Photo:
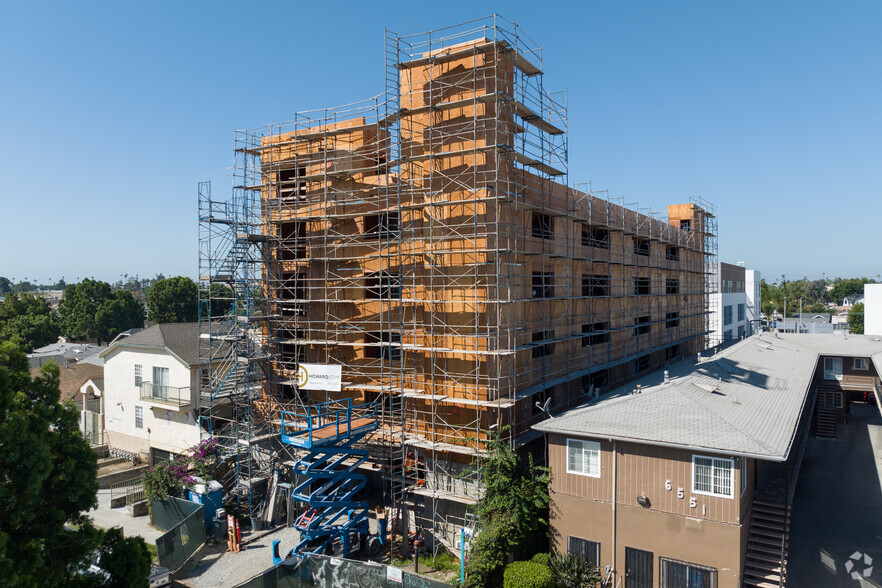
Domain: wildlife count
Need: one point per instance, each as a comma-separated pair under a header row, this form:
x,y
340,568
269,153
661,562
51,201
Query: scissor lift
x,y
328,432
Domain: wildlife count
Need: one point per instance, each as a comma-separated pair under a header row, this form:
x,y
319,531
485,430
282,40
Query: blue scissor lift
x,y
328,432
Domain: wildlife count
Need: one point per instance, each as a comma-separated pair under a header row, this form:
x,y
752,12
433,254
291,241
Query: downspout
x,y
614,476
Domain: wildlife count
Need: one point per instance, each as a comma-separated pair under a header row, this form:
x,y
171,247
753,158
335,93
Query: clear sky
x,y
112,112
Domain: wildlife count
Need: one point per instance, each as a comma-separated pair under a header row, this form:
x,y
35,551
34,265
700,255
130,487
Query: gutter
x,y
713,450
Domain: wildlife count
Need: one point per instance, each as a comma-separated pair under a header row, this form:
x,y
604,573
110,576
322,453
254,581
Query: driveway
x,y
836,518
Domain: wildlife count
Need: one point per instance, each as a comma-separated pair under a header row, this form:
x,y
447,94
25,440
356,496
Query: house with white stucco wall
x,y
151,391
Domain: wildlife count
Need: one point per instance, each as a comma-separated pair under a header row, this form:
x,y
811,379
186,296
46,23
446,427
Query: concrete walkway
x,y
107,517
837,510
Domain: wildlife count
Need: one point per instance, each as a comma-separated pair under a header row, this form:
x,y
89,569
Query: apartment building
x,y
428,244
738,308
686,477
873,309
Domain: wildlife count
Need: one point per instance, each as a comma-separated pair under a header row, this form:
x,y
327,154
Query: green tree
x,y
24,287
48,480
512,516
173,300
817,292
28,321
126,559
856,319
220,300
5,285
849,287
91,310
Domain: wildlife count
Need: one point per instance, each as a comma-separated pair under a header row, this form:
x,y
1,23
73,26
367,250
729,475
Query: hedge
x,y
527,574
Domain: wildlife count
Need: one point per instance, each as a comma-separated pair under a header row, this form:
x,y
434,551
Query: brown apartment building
x,y
685,478
427,242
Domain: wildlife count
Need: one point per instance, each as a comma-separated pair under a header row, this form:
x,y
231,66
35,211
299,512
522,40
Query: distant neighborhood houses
x,y
64,354
850,301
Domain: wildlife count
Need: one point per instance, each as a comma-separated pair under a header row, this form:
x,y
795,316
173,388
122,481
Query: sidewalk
x,y
107,517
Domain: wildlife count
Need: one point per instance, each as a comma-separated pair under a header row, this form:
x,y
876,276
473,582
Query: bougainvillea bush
x,y
170,478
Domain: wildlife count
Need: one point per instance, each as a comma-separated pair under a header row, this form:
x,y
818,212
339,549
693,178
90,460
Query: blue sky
x,y
112,112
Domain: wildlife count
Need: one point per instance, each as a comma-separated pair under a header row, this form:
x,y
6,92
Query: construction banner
x,y
313,376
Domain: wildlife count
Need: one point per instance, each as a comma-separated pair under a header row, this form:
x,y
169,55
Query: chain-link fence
x,y
322,571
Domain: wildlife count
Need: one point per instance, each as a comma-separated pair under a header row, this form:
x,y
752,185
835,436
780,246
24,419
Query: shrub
x,y
169,478
571,571
542,558
527,574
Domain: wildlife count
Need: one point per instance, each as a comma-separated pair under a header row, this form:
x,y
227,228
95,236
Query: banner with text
x,y
313,376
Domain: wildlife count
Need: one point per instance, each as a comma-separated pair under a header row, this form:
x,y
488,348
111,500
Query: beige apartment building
x,y
686,477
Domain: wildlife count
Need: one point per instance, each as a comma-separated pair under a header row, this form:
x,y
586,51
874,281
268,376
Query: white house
x,y
151,391
850,301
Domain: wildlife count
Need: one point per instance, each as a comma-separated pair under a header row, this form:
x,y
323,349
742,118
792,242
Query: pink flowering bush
x,y
171,478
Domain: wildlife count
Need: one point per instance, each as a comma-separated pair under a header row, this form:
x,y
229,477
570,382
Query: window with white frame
x,y
832,368
583,457
138,376
139,417
712,475
861,363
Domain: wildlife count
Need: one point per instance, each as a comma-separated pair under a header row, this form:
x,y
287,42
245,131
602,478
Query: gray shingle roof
x,y
182,339
747,400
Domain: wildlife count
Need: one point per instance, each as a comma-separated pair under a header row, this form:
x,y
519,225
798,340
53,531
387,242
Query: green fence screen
x,y
322,571
186,531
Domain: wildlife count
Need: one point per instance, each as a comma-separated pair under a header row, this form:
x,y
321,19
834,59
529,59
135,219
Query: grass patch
x,y
151,547
445,562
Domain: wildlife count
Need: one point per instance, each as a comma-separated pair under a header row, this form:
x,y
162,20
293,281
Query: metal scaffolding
x,y
426,241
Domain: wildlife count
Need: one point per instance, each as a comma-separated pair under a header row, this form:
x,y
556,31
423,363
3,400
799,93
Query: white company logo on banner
x,y
313,376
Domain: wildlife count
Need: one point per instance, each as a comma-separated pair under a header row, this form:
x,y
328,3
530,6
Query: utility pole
x,y
784,281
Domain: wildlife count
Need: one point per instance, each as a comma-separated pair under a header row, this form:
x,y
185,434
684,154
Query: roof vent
x,y
708,387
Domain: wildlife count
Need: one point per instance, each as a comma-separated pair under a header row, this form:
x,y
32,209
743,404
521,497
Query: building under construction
x,y
426,241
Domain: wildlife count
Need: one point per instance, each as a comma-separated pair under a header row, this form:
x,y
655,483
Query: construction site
x,y
427,241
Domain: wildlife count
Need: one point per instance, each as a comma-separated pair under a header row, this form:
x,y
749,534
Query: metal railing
x,y
132,489
95,437
171,395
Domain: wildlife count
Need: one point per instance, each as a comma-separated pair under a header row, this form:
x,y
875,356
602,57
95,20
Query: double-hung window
x,y
712,475
861,363
139,417
583,457
138,376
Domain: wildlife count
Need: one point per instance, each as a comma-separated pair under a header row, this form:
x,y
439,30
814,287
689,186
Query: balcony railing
x,y
168,395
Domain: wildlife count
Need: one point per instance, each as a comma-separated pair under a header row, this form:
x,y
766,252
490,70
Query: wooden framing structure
x,y
426,241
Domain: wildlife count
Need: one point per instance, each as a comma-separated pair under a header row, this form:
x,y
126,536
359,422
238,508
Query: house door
x,y
160,382
638,568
